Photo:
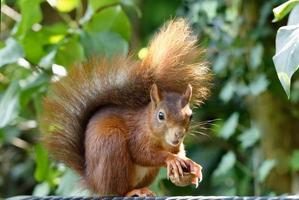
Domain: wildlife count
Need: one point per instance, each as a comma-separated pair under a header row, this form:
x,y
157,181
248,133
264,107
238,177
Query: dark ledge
x,y
160,198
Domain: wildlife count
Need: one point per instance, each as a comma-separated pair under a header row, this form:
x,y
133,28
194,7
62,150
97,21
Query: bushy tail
x,y
173,61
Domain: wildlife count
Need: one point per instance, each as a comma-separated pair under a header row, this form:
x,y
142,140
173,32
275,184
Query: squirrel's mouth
x,y
172,139
174,142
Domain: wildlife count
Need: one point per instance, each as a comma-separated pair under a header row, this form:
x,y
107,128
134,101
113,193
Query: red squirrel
x,y
117,121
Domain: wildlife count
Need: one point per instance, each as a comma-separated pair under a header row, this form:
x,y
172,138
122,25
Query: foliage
x,y
239,40
49,36
34,53
287,44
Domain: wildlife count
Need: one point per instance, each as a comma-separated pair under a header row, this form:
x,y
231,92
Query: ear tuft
x,y
155,94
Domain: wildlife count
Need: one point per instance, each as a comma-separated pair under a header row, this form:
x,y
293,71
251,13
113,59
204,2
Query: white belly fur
x,y
140,173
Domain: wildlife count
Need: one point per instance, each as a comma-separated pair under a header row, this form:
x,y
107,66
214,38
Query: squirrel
x,y
117,121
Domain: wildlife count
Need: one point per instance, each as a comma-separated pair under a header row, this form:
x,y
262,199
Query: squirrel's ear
x,y
155,94
187,95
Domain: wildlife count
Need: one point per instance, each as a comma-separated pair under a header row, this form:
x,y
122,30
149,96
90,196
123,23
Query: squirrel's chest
x,y
143,176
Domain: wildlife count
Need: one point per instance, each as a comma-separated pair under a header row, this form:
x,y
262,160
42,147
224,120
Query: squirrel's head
x,y
171,114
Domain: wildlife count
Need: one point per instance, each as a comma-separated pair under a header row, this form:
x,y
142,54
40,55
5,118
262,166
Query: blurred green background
x,y
248,143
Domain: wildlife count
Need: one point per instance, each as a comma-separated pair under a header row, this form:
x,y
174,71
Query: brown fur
x,y
98,119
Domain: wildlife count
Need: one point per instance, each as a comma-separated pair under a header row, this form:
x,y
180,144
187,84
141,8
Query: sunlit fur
x,y
173,61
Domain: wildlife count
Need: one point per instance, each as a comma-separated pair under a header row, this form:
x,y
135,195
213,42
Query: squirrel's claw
x,y
175,167
196,169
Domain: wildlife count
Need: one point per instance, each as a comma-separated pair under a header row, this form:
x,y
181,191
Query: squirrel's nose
x,y
178,135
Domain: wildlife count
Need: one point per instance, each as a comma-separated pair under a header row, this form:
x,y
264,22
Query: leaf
x,y
265,169
95,4
282,10
70,52
9,133
103,43
129,5
42,163
33,45
48,60
42,189
294,16
31,14
249,137
229,126
242,89
68,186
221,62
286,59
33,86
11,52
210,8
295,160
66,5
256,55
9,104
111,19
258,85
38,44
227,91
226,163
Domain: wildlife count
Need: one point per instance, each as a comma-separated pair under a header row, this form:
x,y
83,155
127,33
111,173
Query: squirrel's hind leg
x,y
108,162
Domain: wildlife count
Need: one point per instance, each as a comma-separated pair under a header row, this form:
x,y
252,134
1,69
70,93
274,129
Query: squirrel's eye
x,y
161,115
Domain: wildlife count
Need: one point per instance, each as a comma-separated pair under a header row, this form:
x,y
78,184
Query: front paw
x,y
175,166
195,169
191,174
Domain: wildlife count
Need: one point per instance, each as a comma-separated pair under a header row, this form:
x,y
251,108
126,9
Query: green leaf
x,y
229,126
129,5
48,60
256,55
9,133
249,137
9,104
294,16
33,45
210,8
66,5
282,10
265,169
31,14
295,160
103,43
226,163
38,45
95,4
42,189
110,19
286,59
70,52
42,163
11,52
68,186
228,91
221,62
32,86
258,85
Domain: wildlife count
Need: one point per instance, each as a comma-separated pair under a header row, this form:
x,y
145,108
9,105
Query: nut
x,y
184,180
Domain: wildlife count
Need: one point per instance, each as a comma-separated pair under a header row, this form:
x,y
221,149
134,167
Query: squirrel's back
x,y
172,62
